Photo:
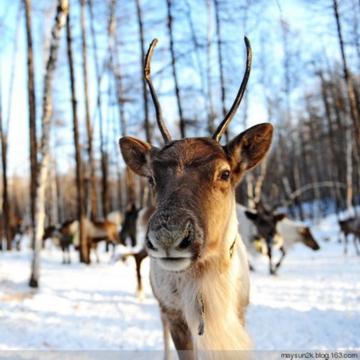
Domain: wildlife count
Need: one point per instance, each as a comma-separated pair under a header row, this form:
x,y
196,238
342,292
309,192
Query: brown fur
x,y
95,231
308,238
102,230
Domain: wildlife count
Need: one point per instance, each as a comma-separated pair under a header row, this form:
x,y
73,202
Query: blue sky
x,y
310,22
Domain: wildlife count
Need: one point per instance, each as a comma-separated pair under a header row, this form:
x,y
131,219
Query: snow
x,y
313,303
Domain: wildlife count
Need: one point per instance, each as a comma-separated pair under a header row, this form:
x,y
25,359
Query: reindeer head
x,y
265,220
128,227
194,181
307,238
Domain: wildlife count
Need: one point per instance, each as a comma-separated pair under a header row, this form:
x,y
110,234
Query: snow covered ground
x,y
313,303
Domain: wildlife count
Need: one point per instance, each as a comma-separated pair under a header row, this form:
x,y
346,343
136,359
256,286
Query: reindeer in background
x,y
134,227
67,234
198,263
348,227
128,227
264,221
261,233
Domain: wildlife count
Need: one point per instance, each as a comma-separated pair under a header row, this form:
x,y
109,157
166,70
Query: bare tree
x,y
5,194
170,25
348,79
220,60
84,251
89,127
210,103
142,52
335,175
32,110
114,50
4,139
44,149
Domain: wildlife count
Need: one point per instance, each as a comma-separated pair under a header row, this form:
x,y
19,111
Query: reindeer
x,y
62,235
134,226
264,221
16,229
128,227
348,227
115,217
290,232
51,232
198,264
95,231
284,234
68,232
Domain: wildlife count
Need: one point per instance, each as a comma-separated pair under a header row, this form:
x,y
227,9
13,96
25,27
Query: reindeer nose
x,y
149,244
171,236
187,239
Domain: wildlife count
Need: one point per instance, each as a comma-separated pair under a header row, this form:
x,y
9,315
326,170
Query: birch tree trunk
x,y
32,111
103,153
84,250
349,82
53,217
116,67
349,170
335,175
59,23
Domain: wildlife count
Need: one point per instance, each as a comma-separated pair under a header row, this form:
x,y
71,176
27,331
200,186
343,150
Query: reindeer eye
x,y
225,175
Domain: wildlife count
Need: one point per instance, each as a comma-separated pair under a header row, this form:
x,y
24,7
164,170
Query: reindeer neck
x,y
212,296
221,296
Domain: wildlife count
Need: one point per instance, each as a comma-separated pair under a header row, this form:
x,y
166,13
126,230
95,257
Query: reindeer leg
x,y
89,246
63,254
113,250
340,239
95,249
345,244
139,257
272,271
283,253
355,239
181,336
133,241
139,290
251,267
166,335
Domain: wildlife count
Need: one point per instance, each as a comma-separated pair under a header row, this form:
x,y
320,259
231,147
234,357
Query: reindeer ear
x,y
136,154
279,217
248,149
251,216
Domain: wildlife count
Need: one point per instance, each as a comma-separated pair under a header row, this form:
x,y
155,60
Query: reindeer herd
x,y
67,234
200,242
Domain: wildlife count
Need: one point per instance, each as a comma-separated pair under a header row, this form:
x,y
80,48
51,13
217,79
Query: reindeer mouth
x,y
174,263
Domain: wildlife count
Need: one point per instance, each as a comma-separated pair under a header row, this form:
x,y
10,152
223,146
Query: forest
x,y
72,83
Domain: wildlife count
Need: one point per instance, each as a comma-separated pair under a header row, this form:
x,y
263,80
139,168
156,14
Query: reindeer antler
x,y
147,71
225,123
